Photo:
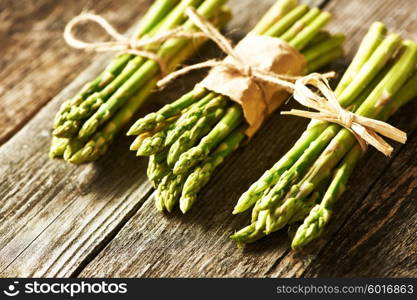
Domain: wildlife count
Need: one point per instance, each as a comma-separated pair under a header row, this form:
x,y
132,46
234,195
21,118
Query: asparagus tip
x,y
186,203
88,128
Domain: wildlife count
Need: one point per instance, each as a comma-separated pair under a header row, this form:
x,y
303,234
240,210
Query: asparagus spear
x,y
155,143
282,25
190,137
274,14
191,148
202,173
147,71
196,154
151,121
96,145
188,120
157,168
344,140
282,201
383,53
368,45
63,127
316,221
169,190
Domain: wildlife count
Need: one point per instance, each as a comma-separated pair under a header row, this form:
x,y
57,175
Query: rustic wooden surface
x,y
36,63
98,219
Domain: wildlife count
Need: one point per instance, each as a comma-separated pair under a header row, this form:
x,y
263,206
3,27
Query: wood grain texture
x,y
197,244
55,217
58,219
35,62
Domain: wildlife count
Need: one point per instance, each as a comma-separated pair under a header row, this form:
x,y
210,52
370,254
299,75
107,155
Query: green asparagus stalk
x,y
98,144
274,14
147,71
202,173
190,137
369,43
316,221
155,143
97,115
64,127
196,154
370,68
169,190
205,131
152,120
319,216
189,119
379,75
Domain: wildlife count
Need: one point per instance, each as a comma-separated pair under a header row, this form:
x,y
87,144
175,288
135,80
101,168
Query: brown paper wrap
x,y
257,98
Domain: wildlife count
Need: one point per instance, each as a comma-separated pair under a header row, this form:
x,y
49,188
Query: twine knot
x,y
239,65
120,43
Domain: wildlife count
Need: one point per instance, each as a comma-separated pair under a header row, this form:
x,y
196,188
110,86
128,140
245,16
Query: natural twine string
x,y
365,130
121,43
239,65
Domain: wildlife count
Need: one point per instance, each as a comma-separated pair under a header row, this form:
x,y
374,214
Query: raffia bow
x,y
121,43
366,130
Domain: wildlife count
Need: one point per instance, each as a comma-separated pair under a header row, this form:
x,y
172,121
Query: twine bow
x,y
238,65
121,43
366,130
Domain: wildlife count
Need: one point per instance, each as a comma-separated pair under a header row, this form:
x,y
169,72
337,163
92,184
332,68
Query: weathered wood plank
x,y
54,217
35,62
197,244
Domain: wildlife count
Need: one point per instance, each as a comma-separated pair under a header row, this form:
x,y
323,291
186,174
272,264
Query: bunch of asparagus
x,y
304,185
85,125
187,139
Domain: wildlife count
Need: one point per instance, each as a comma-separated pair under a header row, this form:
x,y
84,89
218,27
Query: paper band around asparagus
x,y
259,73
121,43
247,69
